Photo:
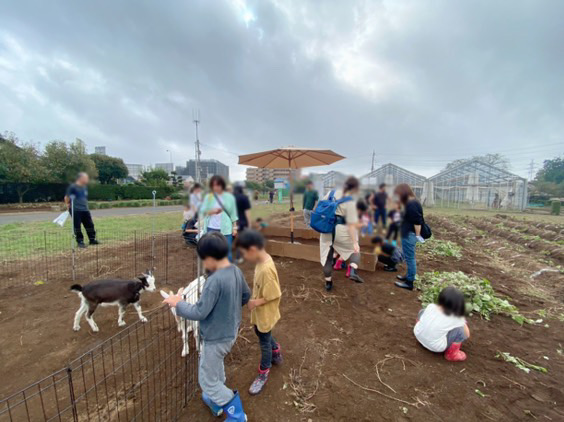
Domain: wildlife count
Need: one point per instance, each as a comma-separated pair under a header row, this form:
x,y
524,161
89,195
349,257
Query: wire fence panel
x,y
136,375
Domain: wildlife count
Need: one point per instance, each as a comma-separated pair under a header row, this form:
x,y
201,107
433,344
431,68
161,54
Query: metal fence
x,y
51,256
138,374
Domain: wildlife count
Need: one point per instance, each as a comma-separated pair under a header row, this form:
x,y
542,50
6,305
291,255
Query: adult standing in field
x,y
195,198
311,196
244,212
76,200
271,196
344,240
380,200
410,232
219,211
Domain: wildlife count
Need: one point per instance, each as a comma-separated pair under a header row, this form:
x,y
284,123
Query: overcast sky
x,y
420,82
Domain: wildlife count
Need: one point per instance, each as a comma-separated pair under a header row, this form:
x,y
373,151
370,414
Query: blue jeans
x,y
408,247
380,213
229,238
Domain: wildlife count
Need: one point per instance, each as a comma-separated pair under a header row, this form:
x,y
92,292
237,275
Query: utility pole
x,y
372,167
531,169
196,120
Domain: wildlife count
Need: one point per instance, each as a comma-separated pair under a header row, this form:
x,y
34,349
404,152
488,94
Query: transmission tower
x,y
196,120
531,169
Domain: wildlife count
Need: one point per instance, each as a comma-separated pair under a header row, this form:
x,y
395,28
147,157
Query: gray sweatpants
x,y
456,335
211,374
307,217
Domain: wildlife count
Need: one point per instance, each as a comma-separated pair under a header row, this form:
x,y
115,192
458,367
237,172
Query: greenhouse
x,y
393,175
477,184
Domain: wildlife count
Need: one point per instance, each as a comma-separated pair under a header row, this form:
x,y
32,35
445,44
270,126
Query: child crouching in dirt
x,y
264,303
442,327
219,312
388,253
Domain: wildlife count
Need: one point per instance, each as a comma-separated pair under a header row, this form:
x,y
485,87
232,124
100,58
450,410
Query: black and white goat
x,y
118,293
189,294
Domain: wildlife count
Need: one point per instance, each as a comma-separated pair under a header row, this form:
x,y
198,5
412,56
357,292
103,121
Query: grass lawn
x,y
32,238
537,216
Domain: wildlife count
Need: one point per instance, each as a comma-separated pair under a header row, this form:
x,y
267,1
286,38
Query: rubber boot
x,y
259,382
216,409
328,285
394,242
454,354
234,409
339,265
353,275
277,355
348,273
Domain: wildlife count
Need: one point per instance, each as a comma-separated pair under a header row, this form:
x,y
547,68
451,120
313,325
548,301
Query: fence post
x,y
72,397
45,255
153,230
135,252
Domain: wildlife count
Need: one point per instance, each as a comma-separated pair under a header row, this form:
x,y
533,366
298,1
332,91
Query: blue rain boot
x,y
216,409
234,410
394,242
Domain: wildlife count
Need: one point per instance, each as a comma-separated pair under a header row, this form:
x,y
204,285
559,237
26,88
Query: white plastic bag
x,y
62,219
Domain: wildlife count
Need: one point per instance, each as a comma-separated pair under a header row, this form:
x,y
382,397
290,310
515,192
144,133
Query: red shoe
x,y
454,354
339,265
348,274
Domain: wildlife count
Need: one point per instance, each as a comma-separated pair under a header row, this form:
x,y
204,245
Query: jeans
x,y
84,218
211,373
307,217
408,246
267,345
380,213
229,238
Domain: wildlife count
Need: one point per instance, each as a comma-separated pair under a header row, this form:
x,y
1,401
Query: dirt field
x,y
332,343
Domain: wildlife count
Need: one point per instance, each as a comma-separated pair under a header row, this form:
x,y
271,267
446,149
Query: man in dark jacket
x,y
76,200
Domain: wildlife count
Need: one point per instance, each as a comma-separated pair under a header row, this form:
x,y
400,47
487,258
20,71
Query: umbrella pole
x,y
291,206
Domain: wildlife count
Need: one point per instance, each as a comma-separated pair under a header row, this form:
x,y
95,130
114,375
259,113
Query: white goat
x,y
190,294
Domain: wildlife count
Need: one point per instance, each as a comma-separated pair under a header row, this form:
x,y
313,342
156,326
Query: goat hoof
x,y
144,319
122,324
184,354
76,328
95,329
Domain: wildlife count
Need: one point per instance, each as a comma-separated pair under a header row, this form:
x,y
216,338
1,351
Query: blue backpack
x,y
323,219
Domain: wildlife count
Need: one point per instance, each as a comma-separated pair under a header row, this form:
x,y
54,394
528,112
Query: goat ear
x,y
143,280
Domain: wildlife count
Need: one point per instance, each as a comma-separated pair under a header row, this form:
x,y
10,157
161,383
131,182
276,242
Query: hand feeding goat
x,y
189,294
111,292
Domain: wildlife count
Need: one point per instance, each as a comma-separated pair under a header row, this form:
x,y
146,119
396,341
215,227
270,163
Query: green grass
x,y
28,239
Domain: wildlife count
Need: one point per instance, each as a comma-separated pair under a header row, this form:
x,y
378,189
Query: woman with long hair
x,y
344,241
410,232
219,211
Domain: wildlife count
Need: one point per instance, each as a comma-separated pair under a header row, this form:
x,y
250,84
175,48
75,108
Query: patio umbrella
x,y
290,158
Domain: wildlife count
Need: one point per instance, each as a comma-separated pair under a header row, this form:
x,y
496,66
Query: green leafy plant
x,y
520,363
436,247
479,293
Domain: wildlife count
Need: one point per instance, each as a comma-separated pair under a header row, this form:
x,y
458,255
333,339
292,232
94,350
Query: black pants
x,y
267,345
386,260
393,229
84,218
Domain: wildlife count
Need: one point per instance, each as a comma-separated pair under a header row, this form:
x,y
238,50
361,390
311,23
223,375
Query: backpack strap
x,y
331,195
344,199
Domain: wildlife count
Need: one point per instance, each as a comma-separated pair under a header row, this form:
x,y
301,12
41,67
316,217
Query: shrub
x,y
93,205
176,195
104,205
135,204
555,208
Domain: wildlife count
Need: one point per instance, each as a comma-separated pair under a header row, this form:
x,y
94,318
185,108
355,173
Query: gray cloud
x,y
419,82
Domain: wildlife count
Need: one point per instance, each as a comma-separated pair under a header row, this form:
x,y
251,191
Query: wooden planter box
x,y
307,252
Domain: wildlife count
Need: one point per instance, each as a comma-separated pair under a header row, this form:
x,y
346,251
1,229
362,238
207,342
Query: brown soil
x,y
332,341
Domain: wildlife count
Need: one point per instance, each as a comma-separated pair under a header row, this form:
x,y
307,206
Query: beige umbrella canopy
x,y
290,158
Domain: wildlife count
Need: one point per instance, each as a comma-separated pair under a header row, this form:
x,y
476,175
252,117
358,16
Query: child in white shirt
x,y
442,327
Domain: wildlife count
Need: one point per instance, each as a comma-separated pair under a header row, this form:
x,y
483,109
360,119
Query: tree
x,y
253,186
550,178
110,169
269,184
156,177
63,162
496,160
20,163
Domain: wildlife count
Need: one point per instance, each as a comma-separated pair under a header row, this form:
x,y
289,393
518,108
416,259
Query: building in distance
x,y
100,150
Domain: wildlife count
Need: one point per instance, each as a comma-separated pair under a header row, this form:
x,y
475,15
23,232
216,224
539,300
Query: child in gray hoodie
x,y
219,312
